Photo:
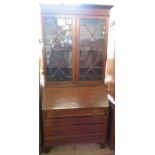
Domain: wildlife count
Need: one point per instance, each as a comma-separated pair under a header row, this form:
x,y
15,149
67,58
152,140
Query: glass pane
x,y
91,49
58,46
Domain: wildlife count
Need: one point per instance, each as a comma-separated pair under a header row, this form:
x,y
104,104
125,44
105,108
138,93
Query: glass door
x,y
58,49
91,49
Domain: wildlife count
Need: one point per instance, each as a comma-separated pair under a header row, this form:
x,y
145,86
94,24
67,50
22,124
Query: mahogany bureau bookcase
x,y
74,99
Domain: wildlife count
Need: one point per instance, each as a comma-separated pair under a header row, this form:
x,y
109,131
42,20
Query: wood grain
x,y
74,114
57,140
75,111
74,97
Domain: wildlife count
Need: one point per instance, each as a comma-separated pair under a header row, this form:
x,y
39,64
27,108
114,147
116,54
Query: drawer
x,y
57,140
74,120
74,112
74,129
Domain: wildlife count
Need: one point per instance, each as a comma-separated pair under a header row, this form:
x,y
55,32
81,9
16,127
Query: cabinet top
x,y
96,6
75,9
74,97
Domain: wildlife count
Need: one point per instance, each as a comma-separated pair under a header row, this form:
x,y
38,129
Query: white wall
x,y
19,77
106,2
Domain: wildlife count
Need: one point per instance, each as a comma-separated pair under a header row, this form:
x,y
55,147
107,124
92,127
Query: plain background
x,y
19,77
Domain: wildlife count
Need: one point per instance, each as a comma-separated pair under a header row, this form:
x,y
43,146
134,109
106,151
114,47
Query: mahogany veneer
x,y
75,107
74,114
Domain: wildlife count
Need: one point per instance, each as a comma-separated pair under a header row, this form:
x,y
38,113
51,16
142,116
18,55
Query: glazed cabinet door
x,y
91,49
58,48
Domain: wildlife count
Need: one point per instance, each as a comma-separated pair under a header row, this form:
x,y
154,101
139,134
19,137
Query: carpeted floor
x,y
80,149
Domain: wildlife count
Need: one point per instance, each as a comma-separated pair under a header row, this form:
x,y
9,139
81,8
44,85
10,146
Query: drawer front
x,y
76,129
74,112
74,121
90,138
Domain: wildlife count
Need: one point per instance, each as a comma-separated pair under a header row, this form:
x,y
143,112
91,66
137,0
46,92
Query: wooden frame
x,y
77,13
104,49
73,50
102,10
77,107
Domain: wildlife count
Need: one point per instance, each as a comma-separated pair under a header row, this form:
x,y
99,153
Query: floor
x,y
80,149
